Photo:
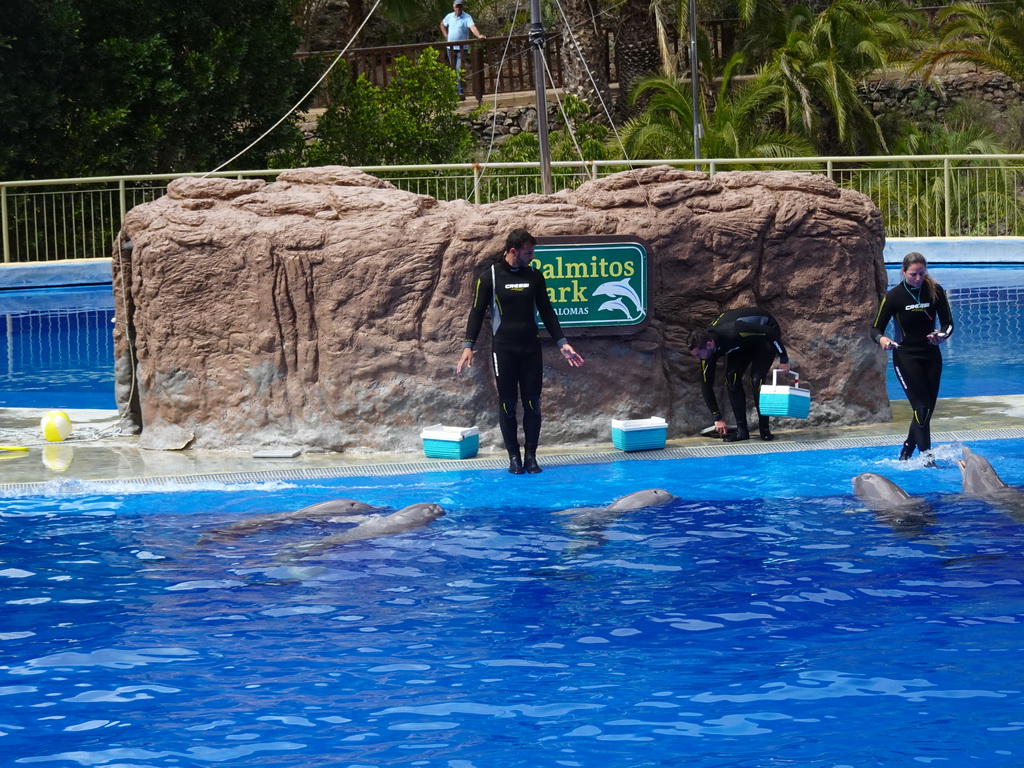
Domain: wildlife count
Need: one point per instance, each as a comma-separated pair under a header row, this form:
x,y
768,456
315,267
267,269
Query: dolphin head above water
x,y
977,474
871,487
892,504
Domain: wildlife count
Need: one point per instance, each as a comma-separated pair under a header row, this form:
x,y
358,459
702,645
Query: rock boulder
x,y
326,310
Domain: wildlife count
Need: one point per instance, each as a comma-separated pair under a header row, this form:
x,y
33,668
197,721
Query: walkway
x,y
88,455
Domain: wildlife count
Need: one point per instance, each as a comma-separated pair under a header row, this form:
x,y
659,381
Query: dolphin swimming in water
x,y
413,516
650,497
891,503
980,479
589,518
333,511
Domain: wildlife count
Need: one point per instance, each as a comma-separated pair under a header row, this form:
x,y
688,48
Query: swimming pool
x,y
58,348
762,619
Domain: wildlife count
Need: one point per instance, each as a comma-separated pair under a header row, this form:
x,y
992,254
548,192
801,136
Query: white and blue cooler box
x,y
639,434
779,400
441,442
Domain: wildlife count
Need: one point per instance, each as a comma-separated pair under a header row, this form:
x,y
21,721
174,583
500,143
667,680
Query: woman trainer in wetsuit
x,y
515,292
914,305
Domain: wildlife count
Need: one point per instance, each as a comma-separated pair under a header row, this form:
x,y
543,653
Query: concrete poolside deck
x,y
94,452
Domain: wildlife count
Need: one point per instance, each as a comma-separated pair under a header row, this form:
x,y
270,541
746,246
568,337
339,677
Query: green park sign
x,y
599,282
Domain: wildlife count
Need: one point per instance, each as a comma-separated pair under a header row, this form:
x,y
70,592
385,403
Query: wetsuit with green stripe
x,y
746,337
917,362
515,296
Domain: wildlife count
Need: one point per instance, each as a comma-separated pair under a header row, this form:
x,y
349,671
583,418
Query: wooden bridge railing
x,y
494,65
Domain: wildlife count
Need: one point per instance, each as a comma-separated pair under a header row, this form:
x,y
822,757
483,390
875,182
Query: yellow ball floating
x,y
56,426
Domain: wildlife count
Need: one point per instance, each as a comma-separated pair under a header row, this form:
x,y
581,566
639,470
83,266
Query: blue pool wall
x,y
957,250
57,274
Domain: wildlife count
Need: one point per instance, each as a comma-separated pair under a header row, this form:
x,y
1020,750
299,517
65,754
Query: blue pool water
x,y
762,619
58,348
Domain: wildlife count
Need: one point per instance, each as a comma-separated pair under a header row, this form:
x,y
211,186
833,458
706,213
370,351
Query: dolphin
x,y
413,516
980,479
891,503
619,288
333,511
978,476
650,497
589,518
616,304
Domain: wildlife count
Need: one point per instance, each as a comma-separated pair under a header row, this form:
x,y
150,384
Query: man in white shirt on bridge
x,y
456,26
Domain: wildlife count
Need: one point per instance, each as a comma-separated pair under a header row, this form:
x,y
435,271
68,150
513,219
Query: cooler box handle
x,y
775,377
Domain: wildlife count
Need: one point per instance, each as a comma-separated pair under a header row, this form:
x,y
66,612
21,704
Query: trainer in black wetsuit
x,y
514,291
914,305
747,337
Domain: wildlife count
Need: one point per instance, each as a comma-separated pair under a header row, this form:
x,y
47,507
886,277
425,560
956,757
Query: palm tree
x,y
738,126
991,37
818,61
585,52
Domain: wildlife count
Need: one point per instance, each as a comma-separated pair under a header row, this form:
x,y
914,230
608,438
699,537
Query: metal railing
x,y
918,195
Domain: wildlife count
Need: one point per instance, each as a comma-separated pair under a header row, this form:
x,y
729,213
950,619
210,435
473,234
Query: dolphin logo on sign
x,y
618,290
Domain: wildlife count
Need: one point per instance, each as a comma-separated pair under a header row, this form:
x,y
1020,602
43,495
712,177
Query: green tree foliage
x,y
411,121
579,139
738,125
991,36
38,49
980,194
148,87
816,62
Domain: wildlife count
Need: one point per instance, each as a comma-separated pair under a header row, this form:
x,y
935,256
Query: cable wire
x,y
308,93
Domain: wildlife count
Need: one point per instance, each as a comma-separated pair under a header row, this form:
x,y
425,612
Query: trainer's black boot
x,y
741,433
515,464
763,428
907,450
530,463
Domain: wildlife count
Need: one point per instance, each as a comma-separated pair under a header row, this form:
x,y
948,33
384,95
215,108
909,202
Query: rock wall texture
x,y
326,310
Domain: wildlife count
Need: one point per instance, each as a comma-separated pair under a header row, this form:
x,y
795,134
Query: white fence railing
x,y
919,196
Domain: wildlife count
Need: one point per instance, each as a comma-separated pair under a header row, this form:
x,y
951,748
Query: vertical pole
x,y
4,223
946,172
537,41
695,84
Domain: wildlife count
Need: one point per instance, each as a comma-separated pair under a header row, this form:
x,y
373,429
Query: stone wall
x,y
326,310
918,102
911,100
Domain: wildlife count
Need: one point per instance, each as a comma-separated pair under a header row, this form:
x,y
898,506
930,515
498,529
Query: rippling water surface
x,y
762,619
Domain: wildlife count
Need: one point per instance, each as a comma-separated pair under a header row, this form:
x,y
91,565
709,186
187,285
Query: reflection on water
x,y
751,622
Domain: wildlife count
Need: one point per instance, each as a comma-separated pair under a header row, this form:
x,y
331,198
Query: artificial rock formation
x,y
326,310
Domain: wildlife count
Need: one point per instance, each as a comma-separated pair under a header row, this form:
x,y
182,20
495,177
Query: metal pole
x,y
537,41
4,224
698,131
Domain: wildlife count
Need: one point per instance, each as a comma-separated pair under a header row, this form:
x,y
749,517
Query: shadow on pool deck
x,y
89,455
